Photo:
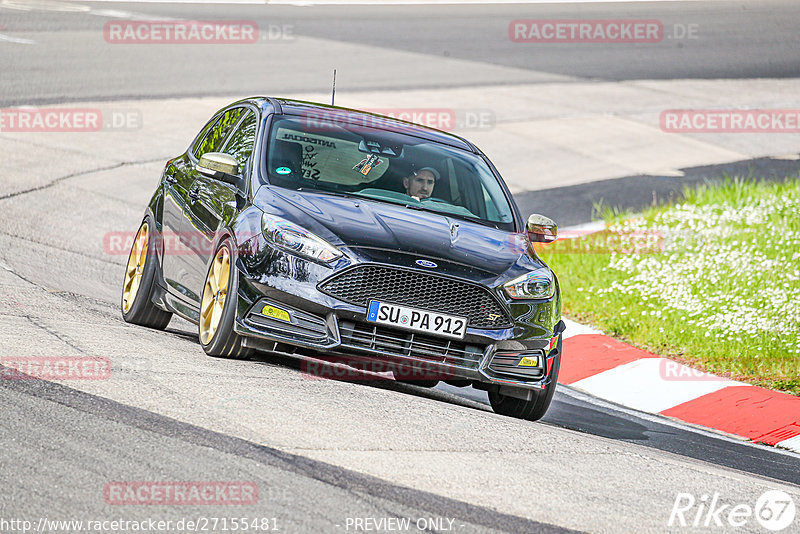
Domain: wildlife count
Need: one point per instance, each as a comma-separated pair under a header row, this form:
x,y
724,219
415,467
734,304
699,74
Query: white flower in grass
x,y
703,276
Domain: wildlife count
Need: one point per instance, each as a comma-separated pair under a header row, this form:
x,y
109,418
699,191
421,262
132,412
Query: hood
x,y
373,228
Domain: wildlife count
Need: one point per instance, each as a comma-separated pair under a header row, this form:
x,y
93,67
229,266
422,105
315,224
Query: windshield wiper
x,y
324,192
443,213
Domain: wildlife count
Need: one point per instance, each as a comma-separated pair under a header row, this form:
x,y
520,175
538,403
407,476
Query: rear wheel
x,y
139,283
531,410
218,308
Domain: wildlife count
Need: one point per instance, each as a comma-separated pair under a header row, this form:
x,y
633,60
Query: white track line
x,y
455,2
791,444
310,3
17,40
576,329
127,15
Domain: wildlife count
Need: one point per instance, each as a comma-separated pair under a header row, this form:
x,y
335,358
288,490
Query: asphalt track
x,y
71,62
320,451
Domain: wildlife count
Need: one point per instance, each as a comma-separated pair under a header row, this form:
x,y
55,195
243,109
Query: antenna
x,y
333,94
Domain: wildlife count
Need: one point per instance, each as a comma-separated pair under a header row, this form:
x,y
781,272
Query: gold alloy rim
x,y
133,273
214,293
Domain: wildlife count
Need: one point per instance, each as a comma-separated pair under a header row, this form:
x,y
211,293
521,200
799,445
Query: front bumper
x,y
275,326
307,321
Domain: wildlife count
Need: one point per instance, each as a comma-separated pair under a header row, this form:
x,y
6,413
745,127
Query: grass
x,y
711,281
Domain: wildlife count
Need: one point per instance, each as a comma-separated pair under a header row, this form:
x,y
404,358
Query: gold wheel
x,y
135,269
214,293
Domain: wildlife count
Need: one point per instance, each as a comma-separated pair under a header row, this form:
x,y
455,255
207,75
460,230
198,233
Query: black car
x,y
298,228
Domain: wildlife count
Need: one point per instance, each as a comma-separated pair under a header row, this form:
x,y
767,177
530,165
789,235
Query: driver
x,y
419,184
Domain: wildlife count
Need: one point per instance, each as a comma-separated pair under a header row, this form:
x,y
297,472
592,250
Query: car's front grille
x,y
431,292
389,342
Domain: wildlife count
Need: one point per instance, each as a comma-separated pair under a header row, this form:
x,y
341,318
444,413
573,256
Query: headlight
x,y
536,284
292,238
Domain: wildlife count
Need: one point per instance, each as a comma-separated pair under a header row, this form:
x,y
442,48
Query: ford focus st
x,y
302,229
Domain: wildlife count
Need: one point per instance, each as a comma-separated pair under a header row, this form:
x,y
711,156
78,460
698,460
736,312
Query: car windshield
x,y
376,164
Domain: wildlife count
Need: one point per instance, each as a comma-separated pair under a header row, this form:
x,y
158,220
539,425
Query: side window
x,y
216,135
202,135
470,189
240,144
452,182
491,210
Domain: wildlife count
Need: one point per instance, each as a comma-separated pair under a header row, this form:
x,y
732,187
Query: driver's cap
x,y
431,170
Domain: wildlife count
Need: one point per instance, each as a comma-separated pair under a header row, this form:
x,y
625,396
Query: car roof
x,y
323,111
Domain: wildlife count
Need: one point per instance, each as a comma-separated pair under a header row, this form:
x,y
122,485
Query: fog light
x,y
275,313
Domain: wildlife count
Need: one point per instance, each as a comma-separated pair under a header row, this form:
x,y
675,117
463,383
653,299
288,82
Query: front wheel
x,y
218,308
139,284
531,410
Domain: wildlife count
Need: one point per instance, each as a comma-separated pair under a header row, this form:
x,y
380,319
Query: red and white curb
x,y
609,369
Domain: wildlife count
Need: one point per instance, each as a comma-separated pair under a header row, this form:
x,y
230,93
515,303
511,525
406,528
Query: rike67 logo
x,y
774,510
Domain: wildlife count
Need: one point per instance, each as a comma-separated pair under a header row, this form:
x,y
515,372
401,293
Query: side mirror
x,y
220,166
541,229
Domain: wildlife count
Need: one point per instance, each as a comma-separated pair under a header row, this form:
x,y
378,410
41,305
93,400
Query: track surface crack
x,y
75,175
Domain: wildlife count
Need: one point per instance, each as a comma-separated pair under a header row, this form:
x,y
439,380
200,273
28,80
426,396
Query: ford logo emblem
x,y
426,263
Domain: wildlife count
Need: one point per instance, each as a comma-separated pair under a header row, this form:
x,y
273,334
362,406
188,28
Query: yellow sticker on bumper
x,y
276,313
529,361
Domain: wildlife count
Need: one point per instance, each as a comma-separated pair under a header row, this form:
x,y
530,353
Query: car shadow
x,y
565,411
325,370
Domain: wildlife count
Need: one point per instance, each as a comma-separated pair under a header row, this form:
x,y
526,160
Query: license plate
x,y
417,320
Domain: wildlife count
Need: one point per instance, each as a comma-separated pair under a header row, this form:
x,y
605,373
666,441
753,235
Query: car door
x,y
211,201
179,179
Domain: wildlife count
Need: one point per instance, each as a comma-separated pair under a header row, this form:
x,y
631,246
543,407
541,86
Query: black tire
x,y
225,343
531,410
142,311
